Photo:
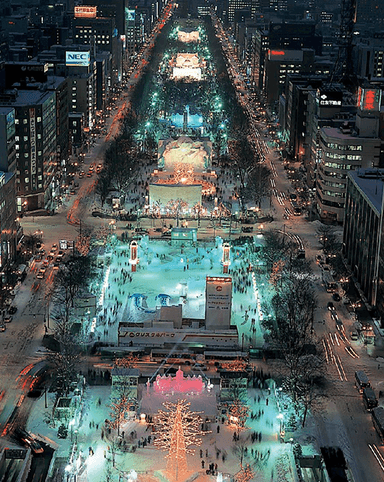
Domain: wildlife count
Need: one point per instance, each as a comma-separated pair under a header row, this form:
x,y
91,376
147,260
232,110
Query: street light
x,y
71,424
280,417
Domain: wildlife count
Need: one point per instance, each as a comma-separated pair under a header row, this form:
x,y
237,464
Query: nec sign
x,y
76,59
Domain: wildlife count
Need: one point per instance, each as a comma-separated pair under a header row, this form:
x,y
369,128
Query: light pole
x,y
280,417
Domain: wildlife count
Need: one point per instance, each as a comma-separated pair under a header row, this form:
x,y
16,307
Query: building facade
x,y
341,152
35,144
363,236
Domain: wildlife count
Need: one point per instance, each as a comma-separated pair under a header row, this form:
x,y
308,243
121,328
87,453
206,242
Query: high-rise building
x,y
7,139
346,149
8,223
100,33
35,145
363,237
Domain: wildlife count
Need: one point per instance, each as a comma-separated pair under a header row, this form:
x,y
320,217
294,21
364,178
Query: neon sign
x,y
369,99
85,12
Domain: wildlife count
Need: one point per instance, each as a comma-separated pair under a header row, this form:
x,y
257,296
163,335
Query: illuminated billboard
x,y
330,98
286,55
369,99
129,16
218,302
85,11
77,59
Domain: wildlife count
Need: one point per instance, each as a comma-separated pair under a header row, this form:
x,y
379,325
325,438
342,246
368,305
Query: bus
x,y
167,355
329,283
369,398
361,381
378,421
225,356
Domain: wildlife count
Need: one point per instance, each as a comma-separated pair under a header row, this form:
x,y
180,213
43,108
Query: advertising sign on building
x,y
77,59
286,55
129,17
330,98
32,134
369,99
85,11
218,302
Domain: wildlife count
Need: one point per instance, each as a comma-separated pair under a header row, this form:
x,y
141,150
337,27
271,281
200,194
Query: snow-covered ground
x,y
270,459
180,273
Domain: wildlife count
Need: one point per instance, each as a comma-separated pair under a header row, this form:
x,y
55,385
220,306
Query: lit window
x,y
25,138
38,119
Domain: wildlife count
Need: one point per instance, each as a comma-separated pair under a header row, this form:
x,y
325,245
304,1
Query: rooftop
x,y
370,183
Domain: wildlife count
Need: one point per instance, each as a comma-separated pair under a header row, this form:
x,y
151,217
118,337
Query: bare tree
x,y
240,448
66,360
258,184
328,239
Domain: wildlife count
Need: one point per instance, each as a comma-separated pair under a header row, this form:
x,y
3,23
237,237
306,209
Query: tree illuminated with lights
x,y
238,413
245,475
129,361
177,429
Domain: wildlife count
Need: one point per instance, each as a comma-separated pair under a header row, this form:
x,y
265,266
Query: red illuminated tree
x,y
238,413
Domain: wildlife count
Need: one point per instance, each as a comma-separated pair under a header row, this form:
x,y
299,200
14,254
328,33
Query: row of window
x,y
349,157
344,147
334,174
25,138
326,192
335,165
25,121
336,185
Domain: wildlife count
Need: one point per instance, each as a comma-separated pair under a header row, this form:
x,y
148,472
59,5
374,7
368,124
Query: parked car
x,y
336,296
12,309
8,318
141,231
3,327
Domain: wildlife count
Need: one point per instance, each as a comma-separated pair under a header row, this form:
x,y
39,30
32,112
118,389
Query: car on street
x,y
12,309
2,327
330,306
8,318
336,296
199,366
28,441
